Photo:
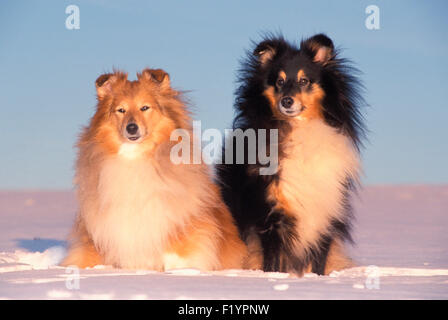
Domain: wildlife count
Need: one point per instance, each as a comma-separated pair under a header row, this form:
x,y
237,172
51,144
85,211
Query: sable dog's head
x,y
144,111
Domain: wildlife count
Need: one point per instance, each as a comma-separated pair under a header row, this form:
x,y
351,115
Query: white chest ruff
x,y
139,210
318,162
130,150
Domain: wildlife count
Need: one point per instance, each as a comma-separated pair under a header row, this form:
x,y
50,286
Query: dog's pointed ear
x,y
266,51
319,47
158,76
105,82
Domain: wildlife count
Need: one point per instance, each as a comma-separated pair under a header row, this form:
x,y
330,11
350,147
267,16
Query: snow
x,y
401,253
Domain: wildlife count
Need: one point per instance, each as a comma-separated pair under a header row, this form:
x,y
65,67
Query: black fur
x,y
245,192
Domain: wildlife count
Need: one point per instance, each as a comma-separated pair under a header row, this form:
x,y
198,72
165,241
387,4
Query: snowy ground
x,y
402,253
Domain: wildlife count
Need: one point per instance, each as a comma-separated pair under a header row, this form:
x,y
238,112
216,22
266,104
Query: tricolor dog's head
x,y
292,82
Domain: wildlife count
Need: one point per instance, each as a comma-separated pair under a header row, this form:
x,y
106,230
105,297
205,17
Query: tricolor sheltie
x,y
137,209
297,219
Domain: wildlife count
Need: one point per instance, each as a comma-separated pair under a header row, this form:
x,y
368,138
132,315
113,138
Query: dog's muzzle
x,y
290,107
132,131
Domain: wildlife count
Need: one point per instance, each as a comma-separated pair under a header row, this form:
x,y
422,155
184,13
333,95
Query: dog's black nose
x,y
132,128
287,102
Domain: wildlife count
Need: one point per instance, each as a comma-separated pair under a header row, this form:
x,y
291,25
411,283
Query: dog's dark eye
x,y
121,110
303,81
280,82
144,108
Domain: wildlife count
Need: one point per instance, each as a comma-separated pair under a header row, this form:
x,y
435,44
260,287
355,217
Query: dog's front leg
x,y
279,239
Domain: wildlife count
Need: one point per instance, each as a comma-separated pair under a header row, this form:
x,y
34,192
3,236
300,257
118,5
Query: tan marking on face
x,y
310,99
300,74
273,98
282,75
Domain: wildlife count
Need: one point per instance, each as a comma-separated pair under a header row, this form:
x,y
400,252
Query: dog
x,y
299,218
137,209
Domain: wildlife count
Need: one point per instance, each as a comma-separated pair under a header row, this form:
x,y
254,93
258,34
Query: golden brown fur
x,y
137,209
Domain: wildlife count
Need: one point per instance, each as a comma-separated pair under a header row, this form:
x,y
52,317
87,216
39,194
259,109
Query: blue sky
x,y
47,73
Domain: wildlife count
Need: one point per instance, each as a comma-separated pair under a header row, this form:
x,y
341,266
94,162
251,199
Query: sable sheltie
x,y
137,209
298,219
